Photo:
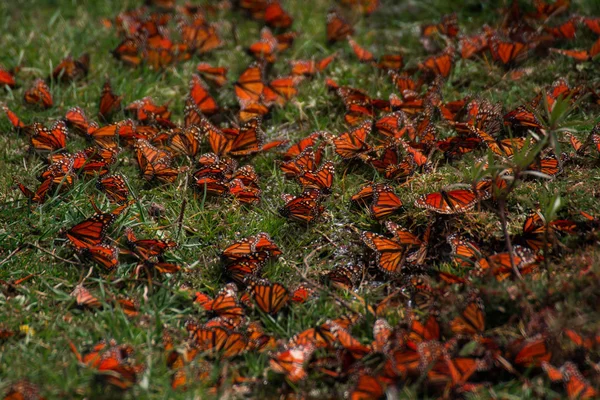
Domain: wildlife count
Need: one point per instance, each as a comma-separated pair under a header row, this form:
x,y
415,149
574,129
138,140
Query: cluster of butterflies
x,y
397,137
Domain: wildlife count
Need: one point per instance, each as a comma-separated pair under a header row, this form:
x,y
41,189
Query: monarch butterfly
x,y
545,10
129,51
390,255
577,386
404,81
290,362
395,124
500,264
84,298
530,352
347,276
303,208
259,246
365,7
383,200
471,321
200,36
464,252
276,17
49,140
247,175
149,268
566,30
23,390
249,86
439,65
593,24
200,97
338,28
423,332
302,293
244,193
321,179
280,90
307,160
297,148
390,62
382,333
266,48
587,343
450,202
92,231
548,165
352,143
457,146
349,343
472,45
270,297
15,120
39,196
216,75
145,110
148,248
69,69
103,254
310,67
506,52
39,94
185,141
7,77
76,119
225,303
382,159
129,307
402,362
448,26
361,53
219,341
504,147
115,188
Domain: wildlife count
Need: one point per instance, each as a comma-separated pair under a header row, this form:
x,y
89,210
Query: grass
x,y
38,34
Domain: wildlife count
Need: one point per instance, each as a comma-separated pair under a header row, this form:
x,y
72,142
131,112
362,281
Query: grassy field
x,y
38,34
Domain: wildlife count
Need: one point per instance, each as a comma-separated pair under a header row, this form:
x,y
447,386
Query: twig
x,y
180,218
12,253
52,254
502,206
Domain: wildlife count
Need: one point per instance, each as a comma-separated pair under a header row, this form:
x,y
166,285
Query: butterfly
x,y
566,30
259,246
70,69
508,52
390,254
218,341
276,17
448,26
500,264
199,36
593,24
114,363
449,202
439,64
306,161
249,86
472,45
310,67
200,97
103,254
384,201
92,231
504,147
266,48
49,140
352,143
390,62
361,53
350,344
110,103
471,321
129,51
365,7
39,196
548,165
244,193
148,248
39,94
216,75
145,111
580,55
303,208
290,362
225,303
464,252
155,163
530,352
302,293
247,140
23,390
76,119
577,386
115,188
280,90
7,77
270,297
347,276
321,179
338,28
15,120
